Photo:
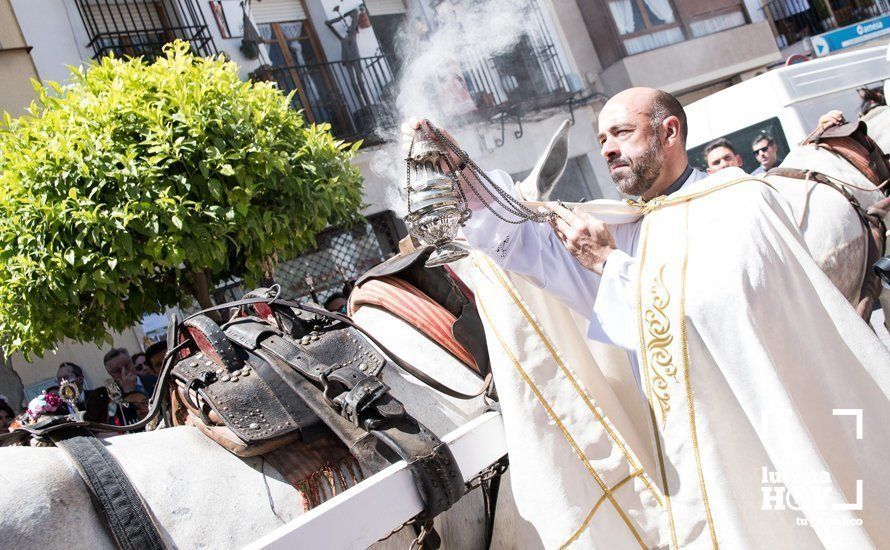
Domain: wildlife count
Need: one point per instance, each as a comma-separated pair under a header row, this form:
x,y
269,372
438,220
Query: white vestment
x,y
534,251
766,395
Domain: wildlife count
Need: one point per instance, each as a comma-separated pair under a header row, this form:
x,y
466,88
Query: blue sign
x,y
851,35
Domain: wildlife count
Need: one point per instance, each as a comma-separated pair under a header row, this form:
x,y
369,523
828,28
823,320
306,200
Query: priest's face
x,y
630,144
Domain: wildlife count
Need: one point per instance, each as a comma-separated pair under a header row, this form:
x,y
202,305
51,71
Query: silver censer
x,y
435,208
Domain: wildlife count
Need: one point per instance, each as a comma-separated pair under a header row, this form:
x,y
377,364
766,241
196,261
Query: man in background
x,y
155,355
73,372
720,154
120,367
766,152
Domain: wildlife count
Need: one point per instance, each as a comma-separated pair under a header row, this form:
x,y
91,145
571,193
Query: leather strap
x,y
431,462
112,493
362,445
321,312
873,225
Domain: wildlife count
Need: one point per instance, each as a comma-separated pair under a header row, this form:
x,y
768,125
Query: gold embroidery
x,y
596,506
660,361
648,206
582,392
606,493
644,369
661,201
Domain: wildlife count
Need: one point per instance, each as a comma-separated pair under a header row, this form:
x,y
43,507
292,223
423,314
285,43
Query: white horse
x,y
829,224
201,496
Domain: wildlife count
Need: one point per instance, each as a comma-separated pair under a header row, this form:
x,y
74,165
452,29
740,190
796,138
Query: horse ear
x,y
550,166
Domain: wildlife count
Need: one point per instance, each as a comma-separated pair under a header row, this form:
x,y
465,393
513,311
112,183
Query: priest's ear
x,y
671,127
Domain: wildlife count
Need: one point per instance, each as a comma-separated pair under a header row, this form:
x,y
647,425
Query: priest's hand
x,y
585,237
470,185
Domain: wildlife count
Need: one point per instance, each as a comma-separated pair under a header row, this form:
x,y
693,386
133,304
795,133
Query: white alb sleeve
x,y
533,250
614,319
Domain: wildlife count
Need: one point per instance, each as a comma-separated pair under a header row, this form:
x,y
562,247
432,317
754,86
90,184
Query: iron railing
x,y
356,97
341,256
353,96
142,27
795,19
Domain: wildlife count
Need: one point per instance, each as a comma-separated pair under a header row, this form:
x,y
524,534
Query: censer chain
x,y
500,197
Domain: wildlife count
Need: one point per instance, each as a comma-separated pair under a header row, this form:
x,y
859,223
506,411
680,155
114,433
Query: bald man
x,y
746,353
585,264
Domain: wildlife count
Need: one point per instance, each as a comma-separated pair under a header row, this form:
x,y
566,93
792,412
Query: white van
x,y
785,102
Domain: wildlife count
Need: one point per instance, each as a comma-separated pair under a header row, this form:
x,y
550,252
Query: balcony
x,y
357,97
142,27
353,96
796,19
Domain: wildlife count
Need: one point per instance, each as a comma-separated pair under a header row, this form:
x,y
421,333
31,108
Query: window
x,y
645,24
142,27
741,141
289,43
717,23
293,50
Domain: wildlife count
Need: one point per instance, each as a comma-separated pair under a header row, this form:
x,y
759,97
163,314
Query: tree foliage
x,y
138,184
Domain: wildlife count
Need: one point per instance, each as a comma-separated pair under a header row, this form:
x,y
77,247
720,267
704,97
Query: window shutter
x,y
385,7
277,11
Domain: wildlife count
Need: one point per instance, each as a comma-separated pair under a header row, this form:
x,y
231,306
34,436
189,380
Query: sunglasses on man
x,y
762,149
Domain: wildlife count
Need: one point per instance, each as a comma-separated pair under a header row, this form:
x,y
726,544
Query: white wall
x,y
55,31
59,38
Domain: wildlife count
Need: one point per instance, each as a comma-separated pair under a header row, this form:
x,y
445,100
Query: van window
x,y
741,140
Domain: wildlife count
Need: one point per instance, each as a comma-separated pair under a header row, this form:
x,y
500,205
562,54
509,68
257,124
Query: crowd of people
x,y
122,400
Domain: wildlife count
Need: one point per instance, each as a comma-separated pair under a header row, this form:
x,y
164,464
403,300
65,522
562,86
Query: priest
x,y
767,396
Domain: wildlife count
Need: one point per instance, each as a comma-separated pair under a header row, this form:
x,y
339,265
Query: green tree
x,y
140,185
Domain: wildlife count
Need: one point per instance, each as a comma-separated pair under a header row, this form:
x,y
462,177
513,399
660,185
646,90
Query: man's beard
x,y
644,170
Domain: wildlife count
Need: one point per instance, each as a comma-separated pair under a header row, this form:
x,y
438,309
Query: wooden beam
x,y
375,507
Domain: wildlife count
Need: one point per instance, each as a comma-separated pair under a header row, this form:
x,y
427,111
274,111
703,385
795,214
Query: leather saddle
x,y
280,371
851,142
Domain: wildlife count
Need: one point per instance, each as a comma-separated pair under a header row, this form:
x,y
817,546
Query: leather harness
x,y
111,491
269,378
852,143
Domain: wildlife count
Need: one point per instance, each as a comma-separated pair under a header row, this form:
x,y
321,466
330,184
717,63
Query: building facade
x,y
342,59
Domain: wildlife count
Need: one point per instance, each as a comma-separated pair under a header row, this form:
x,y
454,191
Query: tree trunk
x,y
200,283
10,383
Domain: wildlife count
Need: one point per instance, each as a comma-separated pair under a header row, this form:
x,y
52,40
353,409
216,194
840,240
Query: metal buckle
x,y
361,396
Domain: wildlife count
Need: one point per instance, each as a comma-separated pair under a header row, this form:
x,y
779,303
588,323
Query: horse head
x,y
541,181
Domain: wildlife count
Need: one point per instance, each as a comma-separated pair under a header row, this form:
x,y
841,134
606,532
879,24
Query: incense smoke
x,y
433,47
